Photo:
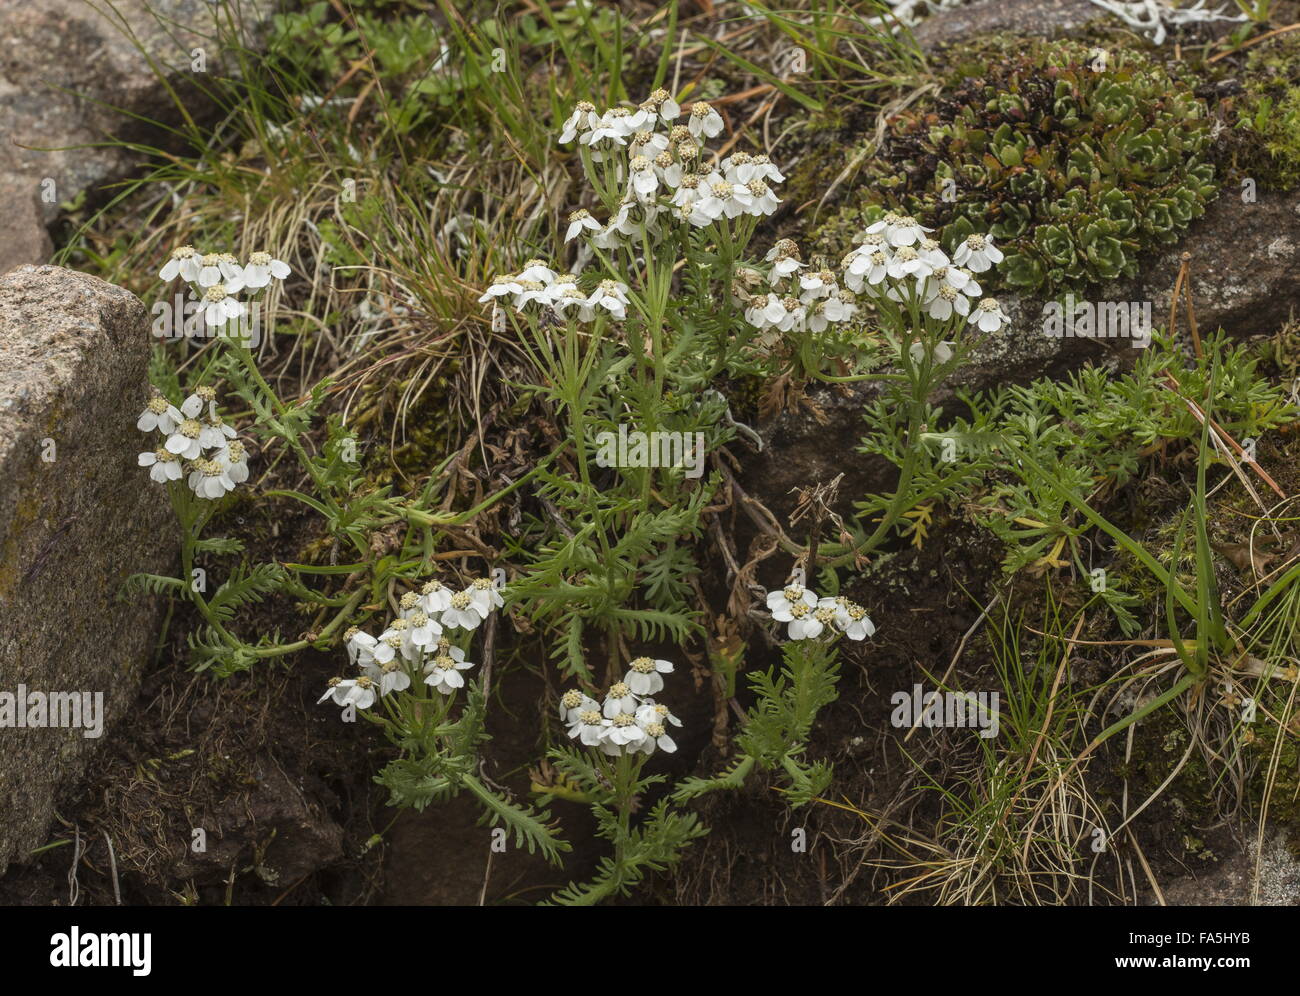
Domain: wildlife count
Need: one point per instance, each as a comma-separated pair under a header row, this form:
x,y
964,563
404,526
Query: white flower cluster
x,y
215,279
794,301
898,261
629,721
667,172
415,642
809,616
198,444
537,284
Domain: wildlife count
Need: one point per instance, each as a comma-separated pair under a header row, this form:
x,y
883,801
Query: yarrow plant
x,y
662,297
413,672
216,278
619,734
197,446
415,644
809,617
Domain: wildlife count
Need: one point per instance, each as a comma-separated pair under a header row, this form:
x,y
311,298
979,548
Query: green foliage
x,y
775,734
1268,113
1074,169
439,758
654,845
1091,431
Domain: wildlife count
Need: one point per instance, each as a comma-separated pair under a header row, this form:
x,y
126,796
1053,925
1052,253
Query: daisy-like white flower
x,y
785,260
359,692
390,676
219,306
572,299
763,169
669,170
463,612
704,120
574,703
215,433
160,414
667,108
221,268
163,466
355,641
619,699
977,253
537,269
988,315
501,286
649,144
580,221
801,619
866,268
816,318
262,268
622,734
850,618
435,597
398,637
534,291
385,647
184,441
421,632
588,726
651,711
899,229
689,190
235,457
444,672
612,127
816,284
584,119
183,262
841,306
443,648
757,198
791,595
932,253
486,594
942,300
764,311
907,262
612,296
718,201
210,478
738,168
942,352
644,675
203,398
642,178
655,736
796,314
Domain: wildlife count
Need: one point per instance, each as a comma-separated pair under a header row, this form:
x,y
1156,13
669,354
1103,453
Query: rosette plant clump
x,y
1075,160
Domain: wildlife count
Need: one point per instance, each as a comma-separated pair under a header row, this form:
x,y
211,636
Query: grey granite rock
x,y
77,516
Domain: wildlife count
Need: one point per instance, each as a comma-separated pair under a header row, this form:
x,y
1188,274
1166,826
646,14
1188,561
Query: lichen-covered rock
x,y
25,237
77,516
1237,880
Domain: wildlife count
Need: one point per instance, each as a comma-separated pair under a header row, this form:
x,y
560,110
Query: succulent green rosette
x,y
1074,165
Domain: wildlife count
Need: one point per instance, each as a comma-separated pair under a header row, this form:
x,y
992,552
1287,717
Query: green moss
x,y
1284,800
1267,115
1075,166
